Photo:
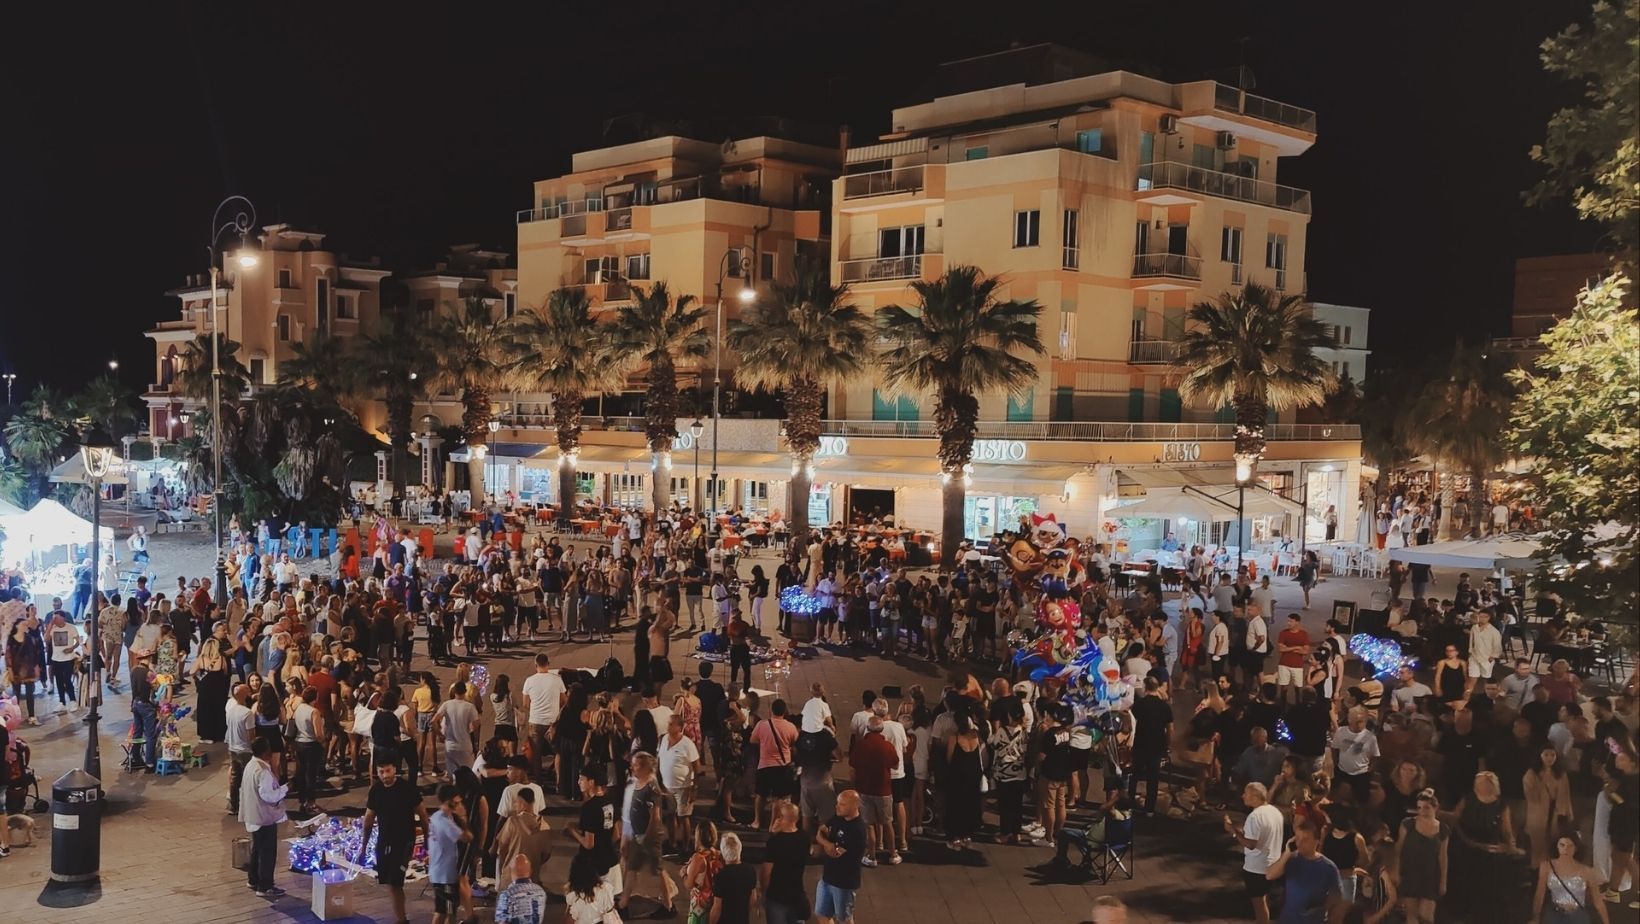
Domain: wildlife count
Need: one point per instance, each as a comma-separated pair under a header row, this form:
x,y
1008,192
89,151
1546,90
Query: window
x,y
1346,334
1136,404
1028,228
1067,334
765,266
754,496
284,327
1147,147
979,153
344,307
424,306
637,266
1275,257
1073,253
1064,403
509,305
1090,141
1230,252
900,242
1203,156
887,407
1170,408
646,193
627,490
1021,407
1141,237
736,255
258,369
284,279
321,306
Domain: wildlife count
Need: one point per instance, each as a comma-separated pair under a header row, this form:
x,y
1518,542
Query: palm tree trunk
x,y
803,402
475,421
1251,412
954,497
661,427
399,409
1448,499
1480,509
956,420
660,479
566,418
475,480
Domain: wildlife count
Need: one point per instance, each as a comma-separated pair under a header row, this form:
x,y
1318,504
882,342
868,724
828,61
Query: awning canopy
x,y
50,524
1509,550
903,471
635,460
1207,493
72,471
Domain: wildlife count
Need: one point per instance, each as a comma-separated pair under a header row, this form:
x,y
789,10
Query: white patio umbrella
x,y
1506,550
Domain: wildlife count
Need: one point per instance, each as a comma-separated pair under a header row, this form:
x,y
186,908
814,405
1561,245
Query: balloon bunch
x,y
798,601
1061,647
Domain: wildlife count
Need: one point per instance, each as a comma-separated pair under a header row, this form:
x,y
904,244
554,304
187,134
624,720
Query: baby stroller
x,y
22,786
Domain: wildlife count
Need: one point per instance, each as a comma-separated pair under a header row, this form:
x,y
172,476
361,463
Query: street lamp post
x,y
746,295
244,218
695,430
10,377
495,427
1245,463
126,442
97,452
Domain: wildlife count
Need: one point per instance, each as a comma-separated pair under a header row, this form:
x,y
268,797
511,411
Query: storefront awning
x,y
1206,493
635,460
896,472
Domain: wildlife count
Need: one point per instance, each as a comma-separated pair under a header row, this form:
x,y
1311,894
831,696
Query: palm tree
x,y
561,349
1255,351
1456,420
36,433
957,341
108,403
194,381
656,331
391,361
322,366
471,345
802,340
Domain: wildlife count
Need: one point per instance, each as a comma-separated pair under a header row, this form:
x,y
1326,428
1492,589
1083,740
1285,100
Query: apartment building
x,y
1347,326
297,288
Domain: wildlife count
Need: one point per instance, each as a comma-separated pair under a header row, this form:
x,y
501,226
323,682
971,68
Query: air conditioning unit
x,y
1170,124
1227,140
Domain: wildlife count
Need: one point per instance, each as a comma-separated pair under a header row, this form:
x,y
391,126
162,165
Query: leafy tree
x,y
35,436
14,482
803,339
469,360
1255,351
656,332
389,363
1578,421
109,404
1456,420
194,379
1592,151
561,349
957,341
1385,437
323,366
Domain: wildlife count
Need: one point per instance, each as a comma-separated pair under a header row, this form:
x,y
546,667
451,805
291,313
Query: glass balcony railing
x,y
883,182
1175,265
1175,175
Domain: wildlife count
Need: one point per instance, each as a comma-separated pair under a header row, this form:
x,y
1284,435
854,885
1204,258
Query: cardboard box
x,y
332,894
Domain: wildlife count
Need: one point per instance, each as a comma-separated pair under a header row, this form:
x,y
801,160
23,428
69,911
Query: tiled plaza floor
x,y
166,843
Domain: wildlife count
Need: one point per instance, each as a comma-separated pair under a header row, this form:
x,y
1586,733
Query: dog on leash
x,y
21,829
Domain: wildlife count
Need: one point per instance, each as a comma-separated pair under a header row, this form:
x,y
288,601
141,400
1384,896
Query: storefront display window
x,y
820,504
754,496
627,491
985,515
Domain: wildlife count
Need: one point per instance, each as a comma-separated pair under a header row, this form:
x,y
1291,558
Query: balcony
x,y
1149,352
617,220
1093,431
1230,99
1175,175
883,182
878,269
606,292
1167,266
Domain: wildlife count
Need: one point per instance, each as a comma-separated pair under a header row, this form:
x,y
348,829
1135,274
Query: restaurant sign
x,y
832,446
999,451
1181,452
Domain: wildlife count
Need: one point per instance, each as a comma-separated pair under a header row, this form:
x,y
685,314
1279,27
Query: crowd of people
x,y
1365,791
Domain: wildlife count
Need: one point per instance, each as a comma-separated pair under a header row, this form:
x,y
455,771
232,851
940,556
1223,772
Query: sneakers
x,y
1612,896
894,859
4,851
273,892
868,861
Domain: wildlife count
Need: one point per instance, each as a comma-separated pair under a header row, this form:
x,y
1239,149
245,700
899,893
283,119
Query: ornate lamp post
x,y
747,295
244,218
97,452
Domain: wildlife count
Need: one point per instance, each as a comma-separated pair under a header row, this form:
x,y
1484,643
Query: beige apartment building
x,y
297,289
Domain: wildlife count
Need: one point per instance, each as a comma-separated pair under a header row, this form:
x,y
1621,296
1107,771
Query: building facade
x,y
296,289
1347,325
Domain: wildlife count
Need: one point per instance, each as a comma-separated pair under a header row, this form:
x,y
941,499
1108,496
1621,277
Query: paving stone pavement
x,y
167,841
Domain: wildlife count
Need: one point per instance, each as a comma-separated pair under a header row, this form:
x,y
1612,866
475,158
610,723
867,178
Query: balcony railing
x,y
618,219
1176,175
880,268
609,290
1231,99
1175,265
1094,431
883,182
1153,351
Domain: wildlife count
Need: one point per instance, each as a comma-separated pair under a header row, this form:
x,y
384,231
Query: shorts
x,y
832,902
1254,885
681,801
1621,833
902,789
1219,667
446,898
877,810
392,858
1480,669
1080,758
1054,795
552,601
641,854
774,782
1289,676
817,801
424,722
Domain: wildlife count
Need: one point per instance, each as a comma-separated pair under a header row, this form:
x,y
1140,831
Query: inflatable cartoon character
x,y
1022,556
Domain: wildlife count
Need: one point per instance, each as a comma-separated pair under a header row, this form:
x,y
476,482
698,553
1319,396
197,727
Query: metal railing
x,y
618,219
1176,175
1231,99
883,182
1176,265
1094,431
880,268
1153,351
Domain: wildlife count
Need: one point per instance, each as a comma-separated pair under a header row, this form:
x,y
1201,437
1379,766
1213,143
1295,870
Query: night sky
x,y
399,129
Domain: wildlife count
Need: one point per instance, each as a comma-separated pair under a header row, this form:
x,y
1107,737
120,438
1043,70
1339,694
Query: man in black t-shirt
x,y
842,842
781,876
594,828
694,582
711,696
734,886
1153,729
394,809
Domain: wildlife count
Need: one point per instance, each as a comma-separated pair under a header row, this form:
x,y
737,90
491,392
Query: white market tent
x,y
9,509
1215,503
1510,550
72,471
48,525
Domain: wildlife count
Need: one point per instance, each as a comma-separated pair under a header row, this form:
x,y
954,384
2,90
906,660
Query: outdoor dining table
x,y
584,526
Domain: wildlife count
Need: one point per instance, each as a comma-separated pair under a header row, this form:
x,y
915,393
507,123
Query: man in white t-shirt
x,y
544,696
1354,747
518,779
679,762
411,551
1265,597
64,640
1258,645
894,731
1218,647
1260,840
634,526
